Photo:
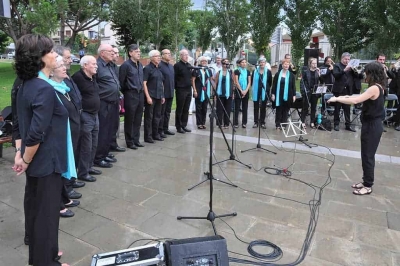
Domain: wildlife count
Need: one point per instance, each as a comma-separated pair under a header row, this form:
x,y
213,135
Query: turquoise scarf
x,y
243,78
285,89
256,85
206,83
63,88
227,83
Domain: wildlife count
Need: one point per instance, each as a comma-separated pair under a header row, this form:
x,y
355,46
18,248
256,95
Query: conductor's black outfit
x,y
42,119
308,81
183,91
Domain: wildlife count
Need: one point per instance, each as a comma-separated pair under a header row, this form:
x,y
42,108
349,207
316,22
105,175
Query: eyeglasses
x,y
156,56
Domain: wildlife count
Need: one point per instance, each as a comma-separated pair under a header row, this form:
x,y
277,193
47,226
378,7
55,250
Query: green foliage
x,y
300,18
346,24
4,41
204,23
44,17
264,19
232,22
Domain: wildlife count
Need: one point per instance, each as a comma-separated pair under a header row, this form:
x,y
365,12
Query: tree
x,y
231,16
345,24
4,41
264,18
300,18
29,17
84,14
204,23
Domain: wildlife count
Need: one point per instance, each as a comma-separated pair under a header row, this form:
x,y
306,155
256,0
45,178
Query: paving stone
x,y
10,256
374,236
6,210
77,249
373,217
12,229
168,186
14,199
92,199
372,256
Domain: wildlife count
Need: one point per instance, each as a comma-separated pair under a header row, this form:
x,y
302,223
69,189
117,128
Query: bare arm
x,y
371,93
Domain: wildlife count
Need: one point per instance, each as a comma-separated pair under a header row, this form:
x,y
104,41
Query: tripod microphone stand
x,y
211,216
258,147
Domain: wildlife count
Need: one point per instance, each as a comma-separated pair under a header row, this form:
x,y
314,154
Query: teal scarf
x,y
256,85
243,78
285,89
63,88
227,83
205,81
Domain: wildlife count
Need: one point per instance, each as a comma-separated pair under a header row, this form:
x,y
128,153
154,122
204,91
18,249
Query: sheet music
x,y
323,71
321,89
354,62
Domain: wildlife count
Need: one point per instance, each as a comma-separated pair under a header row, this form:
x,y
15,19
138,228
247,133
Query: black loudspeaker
x,y
310,53
199,251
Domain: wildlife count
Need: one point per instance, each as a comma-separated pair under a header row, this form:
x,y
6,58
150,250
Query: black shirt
x,y
183,75
89,90
131,76
169,79
373,109
199,78
152,74
237,73
108,81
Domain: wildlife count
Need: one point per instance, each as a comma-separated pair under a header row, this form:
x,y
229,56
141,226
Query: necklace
x,y
66,95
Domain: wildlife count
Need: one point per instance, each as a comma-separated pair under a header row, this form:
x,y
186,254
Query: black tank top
x,y
374,109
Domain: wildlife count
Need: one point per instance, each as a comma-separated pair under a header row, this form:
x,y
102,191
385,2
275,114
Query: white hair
x,y
153,53
85,60
59,59
202,58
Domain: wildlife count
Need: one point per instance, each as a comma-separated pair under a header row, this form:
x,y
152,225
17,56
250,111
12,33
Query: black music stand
x,y
211,216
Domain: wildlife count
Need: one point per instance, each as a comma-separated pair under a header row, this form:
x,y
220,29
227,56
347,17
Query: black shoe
x,y
132,147
158,138
74,203
138,144
118,149
88,178
74,195
93,171
180,131
110,155
78,184
350,129
186,129
26,240
167,132
110,160
336,128
163,135
149,140
397,128
67,214
103,164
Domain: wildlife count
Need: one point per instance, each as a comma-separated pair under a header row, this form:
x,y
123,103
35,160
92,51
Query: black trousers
x,y
42,215
245,104
201,111
133,104
260,111
371,132
64,196
346,111
152,116
183,98
88,142
313,98
281,115
165,115
224,106
107,115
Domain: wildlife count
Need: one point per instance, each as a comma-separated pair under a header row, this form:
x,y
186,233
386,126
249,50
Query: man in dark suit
x,y
292,68
169,85
344,79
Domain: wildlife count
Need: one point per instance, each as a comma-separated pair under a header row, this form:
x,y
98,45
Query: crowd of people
x,y
65,127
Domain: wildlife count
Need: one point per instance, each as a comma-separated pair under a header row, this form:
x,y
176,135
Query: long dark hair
x,y
375,74
29,52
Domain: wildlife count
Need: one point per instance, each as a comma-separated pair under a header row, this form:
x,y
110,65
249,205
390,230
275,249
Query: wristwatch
x,y
17,149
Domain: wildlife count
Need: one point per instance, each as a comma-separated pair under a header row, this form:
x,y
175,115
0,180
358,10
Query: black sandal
x,y
363,191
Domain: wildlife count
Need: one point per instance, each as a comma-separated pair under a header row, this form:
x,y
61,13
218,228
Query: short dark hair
x,y
380,54
286,55
133,47
326,59
29,52
375,73
241,60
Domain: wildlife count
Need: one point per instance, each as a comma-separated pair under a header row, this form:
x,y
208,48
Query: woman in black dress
x,y
41,146
371,119
283,93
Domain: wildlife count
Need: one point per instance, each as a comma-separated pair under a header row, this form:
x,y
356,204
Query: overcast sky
x,y
198,4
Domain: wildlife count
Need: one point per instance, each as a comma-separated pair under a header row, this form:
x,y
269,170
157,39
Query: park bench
x,y
3,140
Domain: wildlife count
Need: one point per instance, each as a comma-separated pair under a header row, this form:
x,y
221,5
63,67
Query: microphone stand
x,y
211,216
209,174
258,147
232,156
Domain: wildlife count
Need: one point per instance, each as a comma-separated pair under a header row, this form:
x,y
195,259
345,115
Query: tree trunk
x,y
71,40
62,30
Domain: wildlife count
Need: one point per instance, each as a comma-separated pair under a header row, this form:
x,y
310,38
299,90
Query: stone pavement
x,y
141,196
